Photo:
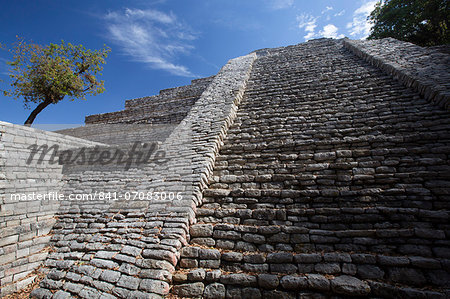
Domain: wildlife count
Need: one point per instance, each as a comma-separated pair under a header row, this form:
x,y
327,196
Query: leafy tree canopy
x,y
47,74
422,22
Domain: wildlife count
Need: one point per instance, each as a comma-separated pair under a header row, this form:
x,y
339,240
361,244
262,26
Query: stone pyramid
x,y
319,170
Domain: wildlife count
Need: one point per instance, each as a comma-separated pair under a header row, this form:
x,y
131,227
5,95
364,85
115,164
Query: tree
x,y
47,74
422,22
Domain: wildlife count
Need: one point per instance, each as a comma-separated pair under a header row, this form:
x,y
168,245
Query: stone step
x,y
411,270
274,211
166,95
419,206
139,116
221,284
266,236
168,104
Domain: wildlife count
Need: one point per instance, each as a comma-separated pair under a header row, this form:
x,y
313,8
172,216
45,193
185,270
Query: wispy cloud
x,y
308,23
360,26
330,31
341,13
327,9
152,37
281,4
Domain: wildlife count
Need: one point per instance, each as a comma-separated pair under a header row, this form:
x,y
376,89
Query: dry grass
x,y
25,292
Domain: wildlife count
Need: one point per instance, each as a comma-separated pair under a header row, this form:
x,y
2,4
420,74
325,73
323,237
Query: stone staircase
x,y
333,181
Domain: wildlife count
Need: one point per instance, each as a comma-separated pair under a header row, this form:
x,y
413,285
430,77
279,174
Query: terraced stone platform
x,y
319,170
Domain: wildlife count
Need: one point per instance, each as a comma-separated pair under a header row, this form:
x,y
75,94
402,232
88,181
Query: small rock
x,y
201,230
369,272
61,295
154,286
279,257
293,283
128,282
191,252
214,291
331,268
238,279
232,256
41,294
268,281
251,293
211,264
189,289
348,285
318,282
213,275
209,254
254,258
196,275
110,276
407,276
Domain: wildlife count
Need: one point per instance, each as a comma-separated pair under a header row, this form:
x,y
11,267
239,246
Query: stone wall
x,y
169,107
25,224
426,70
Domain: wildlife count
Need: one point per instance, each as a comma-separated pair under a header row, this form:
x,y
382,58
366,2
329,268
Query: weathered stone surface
x,y
214,290
279,257
348,285
128,282
154,286
251,293
268,281
209,254
201,230
238,279
294,283
110,276
232,256
158,274
189,251
318,282
61,295
196,275
407,276
369,272
189,289
41,294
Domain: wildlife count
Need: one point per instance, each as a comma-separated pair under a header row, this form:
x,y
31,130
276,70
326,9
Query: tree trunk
x,y
36,111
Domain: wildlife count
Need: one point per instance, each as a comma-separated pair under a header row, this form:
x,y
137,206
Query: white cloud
x,y
151,37
360,26
281,4
341,13
330,31
327,8
308,23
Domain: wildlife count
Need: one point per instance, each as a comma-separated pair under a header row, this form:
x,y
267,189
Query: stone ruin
x,y
319,170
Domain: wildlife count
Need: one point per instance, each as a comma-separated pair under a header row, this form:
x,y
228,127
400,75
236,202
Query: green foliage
x,y
47,74
423,22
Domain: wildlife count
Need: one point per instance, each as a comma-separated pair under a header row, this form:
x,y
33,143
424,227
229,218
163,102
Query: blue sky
x,y
165,43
